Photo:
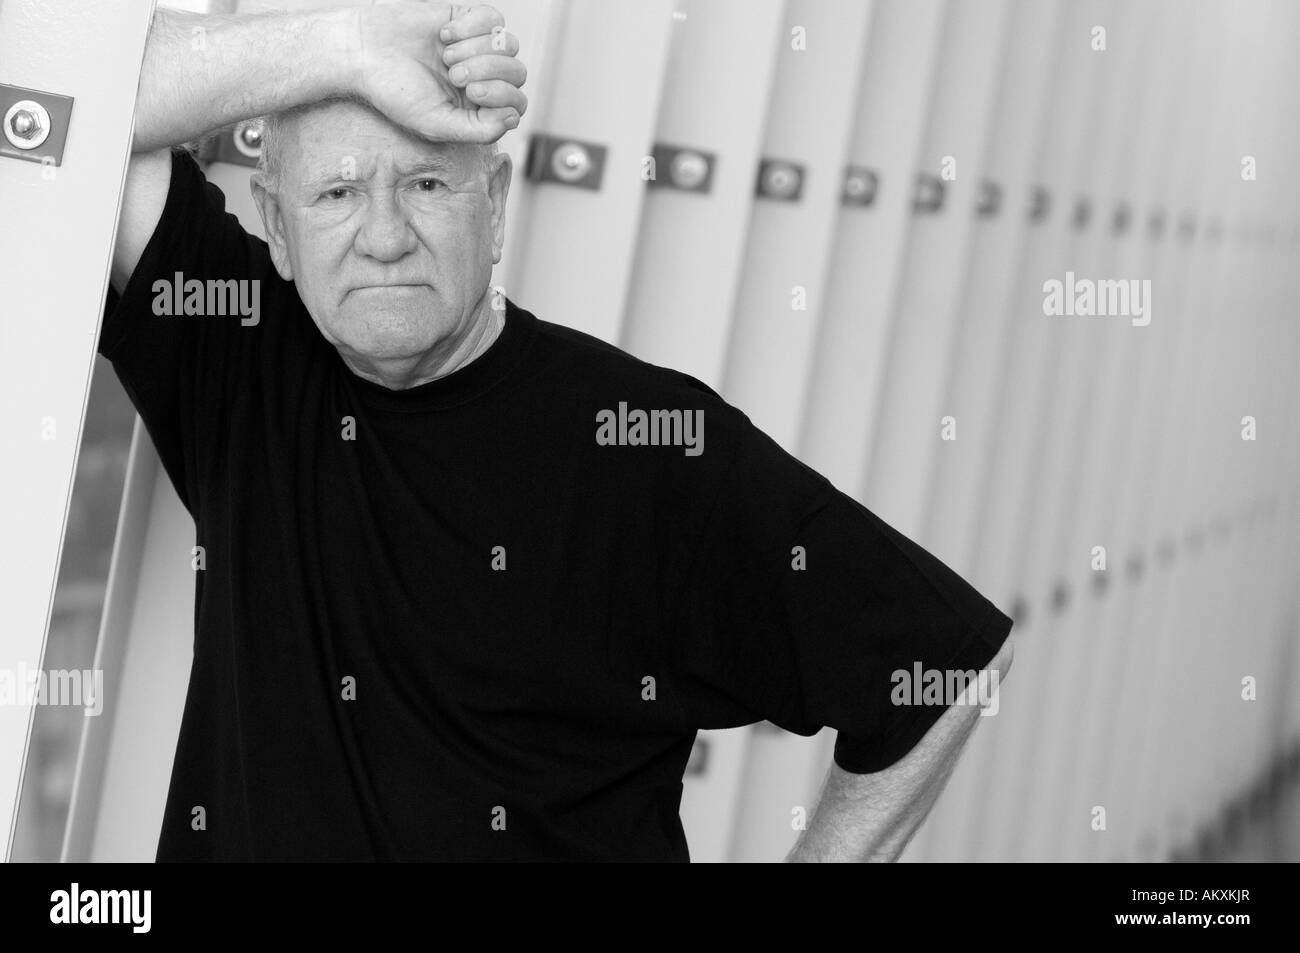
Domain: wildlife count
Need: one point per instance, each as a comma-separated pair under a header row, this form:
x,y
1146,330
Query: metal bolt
x,y
688,169
779,180
571,162
27,124
248,138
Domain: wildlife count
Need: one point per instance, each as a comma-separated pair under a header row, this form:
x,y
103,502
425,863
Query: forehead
x,y
350,140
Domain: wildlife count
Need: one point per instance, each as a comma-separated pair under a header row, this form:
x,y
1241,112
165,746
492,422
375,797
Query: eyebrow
x,y
432,163
424,165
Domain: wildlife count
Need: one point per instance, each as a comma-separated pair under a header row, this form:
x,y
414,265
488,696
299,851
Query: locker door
x,y
1030,383
783,772
926,312
781,299
688,252
57,57
574,247
1029,74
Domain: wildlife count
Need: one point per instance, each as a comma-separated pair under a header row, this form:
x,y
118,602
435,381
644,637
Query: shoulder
x,y
600,361
608,384
662,423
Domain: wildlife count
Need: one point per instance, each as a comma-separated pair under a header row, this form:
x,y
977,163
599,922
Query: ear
x,y
498,188
268,206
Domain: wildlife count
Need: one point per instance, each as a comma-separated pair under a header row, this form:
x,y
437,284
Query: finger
x,y
498,41
490,67
482,125
497,94
477,20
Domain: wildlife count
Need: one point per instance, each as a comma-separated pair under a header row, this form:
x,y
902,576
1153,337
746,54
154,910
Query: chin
x,y
391,335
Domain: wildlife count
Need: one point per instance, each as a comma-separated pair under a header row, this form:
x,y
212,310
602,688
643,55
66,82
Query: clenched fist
x,y
445,72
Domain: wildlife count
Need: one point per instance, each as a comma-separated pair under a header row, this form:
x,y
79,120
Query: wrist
x,y
344,40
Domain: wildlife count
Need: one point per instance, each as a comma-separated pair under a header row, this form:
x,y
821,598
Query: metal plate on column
x,y
928,196
35,124
780,180
566,162
241,144
687,170
860,187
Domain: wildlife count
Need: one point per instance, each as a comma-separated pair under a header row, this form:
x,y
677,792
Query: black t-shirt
x,y
457,622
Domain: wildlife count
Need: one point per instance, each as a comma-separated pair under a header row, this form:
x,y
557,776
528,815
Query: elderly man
x,y
472,581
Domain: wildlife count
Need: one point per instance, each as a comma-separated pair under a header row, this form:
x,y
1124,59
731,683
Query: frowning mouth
x,y
391,287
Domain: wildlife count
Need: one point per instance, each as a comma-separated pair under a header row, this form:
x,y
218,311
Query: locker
x,y
579,242
688,252
780,300
926,310
47,363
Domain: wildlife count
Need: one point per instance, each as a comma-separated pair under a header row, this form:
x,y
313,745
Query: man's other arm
x,y
871,817
204,72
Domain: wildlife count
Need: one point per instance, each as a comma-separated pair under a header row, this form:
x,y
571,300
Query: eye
x,y
336,193
430,185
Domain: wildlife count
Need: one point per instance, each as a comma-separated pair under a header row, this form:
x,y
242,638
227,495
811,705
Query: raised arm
x,y
204,72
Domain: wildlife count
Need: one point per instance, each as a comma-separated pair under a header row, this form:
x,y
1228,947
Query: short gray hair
x,y
271,161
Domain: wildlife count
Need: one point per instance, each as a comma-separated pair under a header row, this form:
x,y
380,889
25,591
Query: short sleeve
x,y
799,605
176,349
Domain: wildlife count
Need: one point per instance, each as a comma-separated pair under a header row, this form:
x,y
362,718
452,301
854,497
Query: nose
x,y
385,233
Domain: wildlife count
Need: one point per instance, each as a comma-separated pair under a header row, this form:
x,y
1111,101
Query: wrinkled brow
x,y
431,164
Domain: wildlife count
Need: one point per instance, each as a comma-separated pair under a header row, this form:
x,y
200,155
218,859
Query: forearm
x,y
871,817
202,72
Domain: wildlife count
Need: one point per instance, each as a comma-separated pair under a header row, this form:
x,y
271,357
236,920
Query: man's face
x,y
389,238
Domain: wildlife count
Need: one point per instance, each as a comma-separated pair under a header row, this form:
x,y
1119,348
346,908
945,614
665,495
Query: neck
x,y
451,354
